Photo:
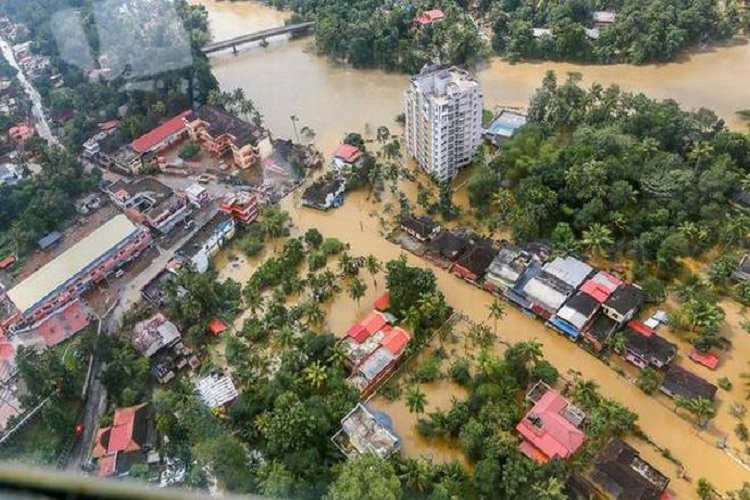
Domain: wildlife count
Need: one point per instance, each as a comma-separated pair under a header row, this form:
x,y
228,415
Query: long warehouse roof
x,y
72,261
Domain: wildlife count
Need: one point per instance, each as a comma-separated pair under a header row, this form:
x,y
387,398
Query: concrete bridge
x,y
293,29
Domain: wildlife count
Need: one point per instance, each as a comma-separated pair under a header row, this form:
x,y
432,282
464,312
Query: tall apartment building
x,y
443,111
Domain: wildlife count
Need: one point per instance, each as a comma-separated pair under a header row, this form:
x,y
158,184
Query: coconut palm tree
x,y
253,298
552,489
703,409
337,358
586,393
702,150
373,266
315,374
414,474
285,336
347,264
497,311
746,377
392,150
503,201
383,134
415,400
314,313
598,239
528,353
357,289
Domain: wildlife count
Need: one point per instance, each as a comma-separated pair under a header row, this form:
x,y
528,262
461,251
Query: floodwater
x,y
286,79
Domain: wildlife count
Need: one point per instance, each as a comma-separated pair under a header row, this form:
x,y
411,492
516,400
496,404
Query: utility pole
x,y
294,124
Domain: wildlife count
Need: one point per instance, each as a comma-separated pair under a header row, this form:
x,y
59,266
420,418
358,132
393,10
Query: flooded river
x,y
287,79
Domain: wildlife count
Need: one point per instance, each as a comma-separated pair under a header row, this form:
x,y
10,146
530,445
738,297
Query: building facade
x,y
443,113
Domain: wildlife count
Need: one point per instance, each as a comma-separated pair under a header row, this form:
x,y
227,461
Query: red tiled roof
x,y
108,466
100,442
374,322
216,326
383,302
533,452
7,261
7,351
707,359
121,435
430,16
154,137
638,326
554,436
395,341
357,332
112,124
348,153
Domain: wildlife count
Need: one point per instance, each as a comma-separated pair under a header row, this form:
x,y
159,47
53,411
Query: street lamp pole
x,y
294,124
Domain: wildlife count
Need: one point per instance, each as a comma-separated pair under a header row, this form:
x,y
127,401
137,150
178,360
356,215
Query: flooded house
x,y
421,228
373,347
599,330
547,291
346,159
643,347
552,427
324,194
503,127
243,206
682,382
574,315
623,304
363,431
150,202
447,247
472,265
621,473
742,273
507,268
579,310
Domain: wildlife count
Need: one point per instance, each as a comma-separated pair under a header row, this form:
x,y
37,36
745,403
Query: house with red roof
x,y
429,17
166,135
383,303
373,347
707,359
21,132
643,347
346,157
216,327
551,429
126,442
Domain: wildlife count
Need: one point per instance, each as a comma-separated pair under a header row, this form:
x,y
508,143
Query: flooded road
x,y
287,79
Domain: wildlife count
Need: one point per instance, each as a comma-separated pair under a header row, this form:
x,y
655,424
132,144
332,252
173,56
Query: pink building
x,y
551,428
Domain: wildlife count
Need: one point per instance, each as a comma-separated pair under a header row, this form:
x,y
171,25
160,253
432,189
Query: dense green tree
x,y
365,478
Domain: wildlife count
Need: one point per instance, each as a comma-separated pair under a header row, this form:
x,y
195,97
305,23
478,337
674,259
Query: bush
x,y
459,372
648,380
316,260
546,372
654,290
251,246
391,391
429,371
741,431
332,246
189,150
724,383
742,293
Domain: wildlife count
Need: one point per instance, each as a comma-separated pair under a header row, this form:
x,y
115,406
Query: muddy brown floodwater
x,y
287,79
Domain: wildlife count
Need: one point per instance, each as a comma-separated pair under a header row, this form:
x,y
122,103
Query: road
x,y
41,124
127,296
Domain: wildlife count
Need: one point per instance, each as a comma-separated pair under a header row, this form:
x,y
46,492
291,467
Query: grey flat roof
x,y
72,261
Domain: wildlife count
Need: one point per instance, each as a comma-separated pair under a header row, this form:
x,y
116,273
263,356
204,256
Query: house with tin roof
x,y
682,382
557,281
622,474
643,347
422,228
507,268
623,304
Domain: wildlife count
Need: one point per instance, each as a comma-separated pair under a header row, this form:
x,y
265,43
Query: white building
x,y
443,112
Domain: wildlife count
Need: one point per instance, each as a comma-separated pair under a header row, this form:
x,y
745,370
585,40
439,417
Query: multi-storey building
x,y
443,111
242,205
76,270
223,134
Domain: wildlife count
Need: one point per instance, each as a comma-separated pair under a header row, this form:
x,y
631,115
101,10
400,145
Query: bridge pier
x,y
264,43
234,50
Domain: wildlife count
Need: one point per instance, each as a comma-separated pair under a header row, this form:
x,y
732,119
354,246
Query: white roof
x,y
575,318
67,265
571,271
195,190
216,391
537,290
540,32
